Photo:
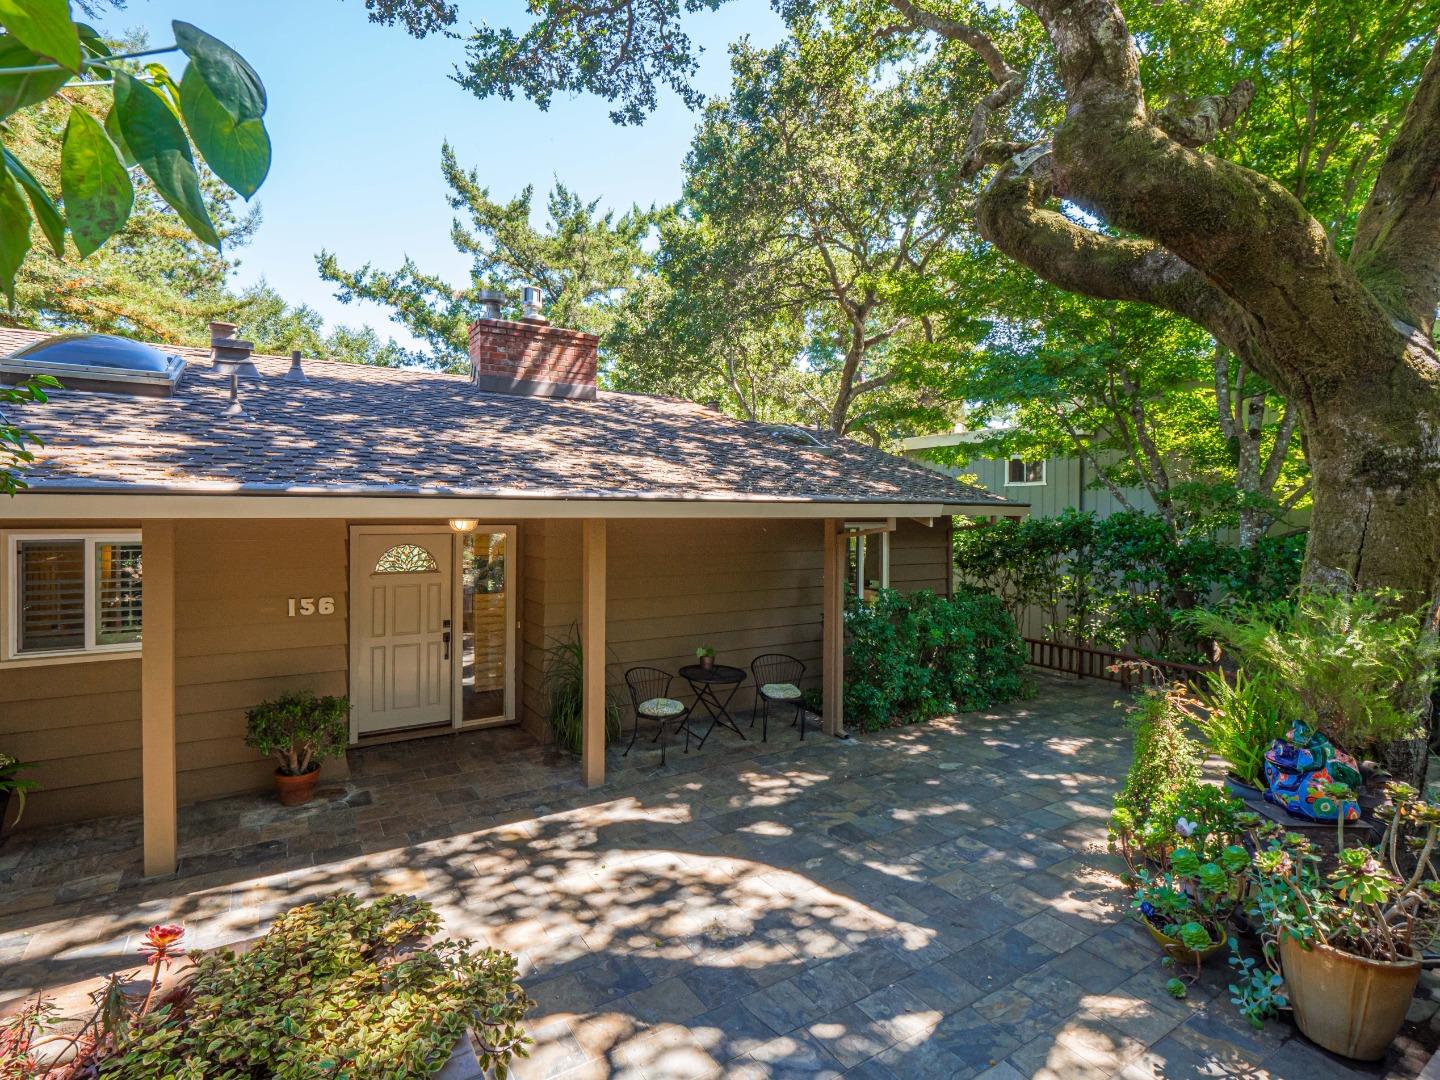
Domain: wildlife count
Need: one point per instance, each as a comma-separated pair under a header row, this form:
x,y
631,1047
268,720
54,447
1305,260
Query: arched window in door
x,y
406,559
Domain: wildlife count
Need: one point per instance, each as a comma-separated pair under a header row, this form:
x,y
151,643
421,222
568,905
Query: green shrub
x,y
1243,716
1164,766
299,729
1120,581
1356,667
564,681
915,656
340,988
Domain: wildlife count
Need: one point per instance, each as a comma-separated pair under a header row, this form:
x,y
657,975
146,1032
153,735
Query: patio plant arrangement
x,y
706,655
1347,934
300,731
337,988
1186,908
1356,667
13,787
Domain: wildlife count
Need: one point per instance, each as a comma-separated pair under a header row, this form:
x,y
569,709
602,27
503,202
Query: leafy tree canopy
x,y
582,259
120,111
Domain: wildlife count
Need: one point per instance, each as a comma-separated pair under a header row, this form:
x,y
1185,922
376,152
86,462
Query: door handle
x,y
445,637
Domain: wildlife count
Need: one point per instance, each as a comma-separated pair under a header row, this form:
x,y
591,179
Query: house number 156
x,y
311,605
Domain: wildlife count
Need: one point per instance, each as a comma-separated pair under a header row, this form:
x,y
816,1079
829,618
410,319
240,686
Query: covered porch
x,y
237,610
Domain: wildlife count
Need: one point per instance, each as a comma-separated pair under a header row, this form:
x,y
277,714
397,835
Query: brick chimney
x,y
531,358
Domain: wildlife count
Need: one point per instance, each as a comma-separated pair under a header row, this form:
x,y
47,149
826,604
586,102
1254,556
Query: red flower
x,y
162,942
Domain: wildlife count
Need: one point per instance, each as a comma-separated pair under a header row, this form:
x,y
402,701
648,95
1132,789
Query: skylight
x,y
99,363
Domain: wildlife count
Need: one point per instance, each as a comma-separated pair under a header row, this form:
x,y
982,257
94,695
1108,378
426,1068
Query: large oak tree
x,y
1120,195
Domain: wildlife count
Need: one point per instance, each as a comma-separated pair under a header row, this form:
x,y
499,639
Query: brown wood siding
x,y
743,587
236,645
920,556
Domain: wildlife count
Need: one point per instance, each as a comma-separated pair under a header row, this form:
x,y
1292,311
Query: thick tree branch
x,y
1194,122
1013,216
1397,238
980,150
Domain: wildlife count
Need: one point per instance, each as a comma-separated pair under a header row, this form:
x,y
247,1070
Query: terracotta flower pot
x,y
1346,1003
295,790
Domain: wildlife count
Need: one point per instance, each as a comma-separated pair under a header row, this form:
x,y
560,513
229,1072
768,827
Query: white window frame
x,y
1023,465
90,651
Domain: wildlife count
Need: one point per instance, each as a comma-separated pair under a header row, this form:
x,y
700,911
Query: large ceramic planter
x,y
1178,952
1345,1003
296,790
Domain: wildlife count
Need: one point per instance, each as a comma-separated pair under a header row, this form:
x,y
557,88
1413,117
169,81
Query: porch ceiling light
x,y
464,525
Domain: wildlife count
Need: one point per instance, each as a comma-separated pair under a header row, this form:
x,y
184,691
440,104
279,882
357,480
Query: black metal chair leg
x,y
765,723
634,732
800,709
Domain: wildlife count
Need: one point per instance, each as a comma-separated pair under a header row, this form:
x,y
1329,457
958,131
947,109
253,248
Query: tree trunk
x,y
1375,462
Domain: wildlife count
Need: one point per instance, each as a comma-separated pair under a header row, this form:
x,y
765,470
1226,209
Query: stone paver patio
x,y
932,901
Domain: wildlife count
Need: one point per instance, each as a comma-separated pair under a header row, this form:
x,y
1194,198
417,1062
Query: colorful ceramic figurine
x,y
1298,770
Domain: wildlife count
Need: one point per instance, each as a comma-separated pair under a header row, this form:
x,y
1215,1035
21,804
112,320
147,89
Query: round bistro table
x,y
706,683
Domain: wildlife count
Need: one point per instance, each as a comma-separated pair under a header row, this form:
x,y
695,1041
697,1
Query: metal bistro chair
x,y
777,681
650,698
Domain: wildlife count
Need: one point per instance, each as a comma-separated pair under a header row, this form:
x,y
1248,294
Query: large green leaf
x,y
97,189
112,128
162,149
18,91
239,153
234,82
45,210
14,232
44,26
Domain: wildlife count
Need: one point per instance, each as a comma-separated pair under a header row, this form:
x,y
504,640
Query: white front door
x,y
401,635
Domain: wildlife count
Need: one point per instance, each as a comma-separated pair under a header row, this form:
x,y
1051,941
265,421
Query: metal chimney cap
x,y
489,301
532,302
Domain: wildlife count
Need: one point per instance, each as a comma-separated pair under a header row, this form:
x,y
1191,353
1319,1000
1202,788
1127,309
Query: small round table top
x,y
719,673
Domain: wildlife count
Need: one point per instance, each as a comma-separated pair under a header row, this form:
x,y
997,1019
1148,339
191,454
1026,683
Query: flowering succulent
x,y
162,943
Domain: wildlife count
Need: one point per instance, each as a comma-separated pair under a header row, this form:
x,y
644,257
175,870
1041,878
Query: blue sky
x,y
357,115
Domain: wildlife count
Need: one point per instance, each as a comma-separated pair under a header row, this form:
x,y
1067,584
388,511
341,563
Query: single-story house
x,y
408,538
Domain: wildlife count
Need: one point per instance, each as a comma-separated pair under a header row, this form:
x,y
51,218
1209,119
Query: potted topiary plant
x,y
706,655
1349,940
12,791
300,730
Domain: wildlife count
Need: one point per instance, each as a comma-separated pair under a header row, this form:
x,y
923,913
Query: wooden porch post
x,y
833,630
592,647
157,698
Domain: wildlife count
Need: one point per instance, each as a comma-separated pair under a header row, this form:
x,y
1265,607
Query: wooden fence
x,y
1086,662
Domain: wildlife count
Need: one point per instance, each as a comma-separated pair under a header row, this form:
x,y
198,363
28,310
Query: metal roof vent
x,y
231,354
99,363
296,372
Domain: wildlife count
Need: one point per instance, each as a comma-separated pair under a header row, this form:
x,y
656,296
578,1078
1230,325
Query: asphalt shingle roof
x,y
356,429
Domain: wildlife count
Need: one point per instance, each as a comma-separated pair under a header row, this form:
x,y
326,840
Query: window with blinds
x,y
74,594
117,593
51,594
